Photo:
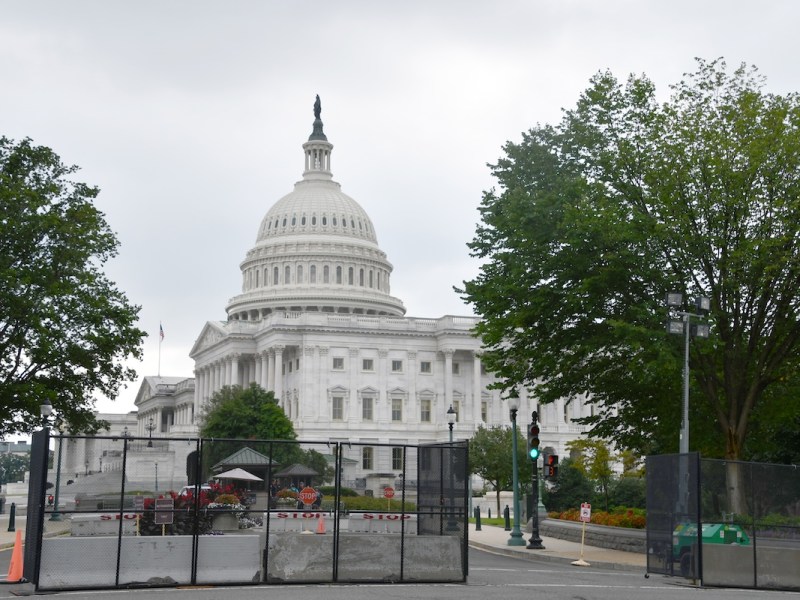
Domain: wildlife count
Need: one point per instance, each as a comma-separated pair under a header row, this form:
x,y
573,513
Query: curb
x,y
552,558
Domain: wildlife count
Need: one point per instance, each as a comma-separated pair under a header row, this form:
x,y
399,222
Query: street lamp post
x,y
451,420
86,466
156,466
150,428
516,534
56,516
683,326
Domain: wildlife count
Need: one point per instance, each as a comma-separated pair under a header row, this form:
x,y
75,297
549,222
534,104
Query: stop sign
x,y
388,492
307,495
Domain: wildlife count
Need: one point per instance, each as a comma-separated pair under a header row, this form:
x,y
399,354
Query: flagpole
x,y
160,339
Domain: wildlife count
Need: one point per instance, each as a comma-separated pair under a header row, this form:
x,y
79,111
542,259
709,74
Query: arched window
x,y
339,275
325,220
361,277
287,274
294,220
299,273
314,220
350,275
257,274
326,274
370,278
275,273
312,274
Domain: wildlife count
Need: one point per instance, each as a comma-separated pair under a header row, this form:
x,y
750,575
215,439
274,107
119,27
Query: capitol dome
x,y
316,250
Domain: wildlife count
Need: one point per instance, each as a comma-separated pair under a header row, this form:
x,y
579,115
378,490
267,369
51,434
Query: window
x,y
338,363
425,366
397,366
326,274
287,275
312,274
456,368
299,273
361,277
397,459
484,408
367,364
350,276
338,274
275,276
397,409
297,364
337,408
425,411
366,408
457,408
367,455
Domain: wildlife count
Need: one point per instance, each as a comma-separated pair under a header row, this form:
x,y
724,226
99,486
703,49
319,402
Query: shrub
x,y
633,518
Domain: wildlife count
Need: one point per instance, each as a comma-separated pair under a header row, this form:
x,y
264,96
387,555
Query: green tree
x,y
570,488
13,467
490,457
597,218
253,415
592,457
65,329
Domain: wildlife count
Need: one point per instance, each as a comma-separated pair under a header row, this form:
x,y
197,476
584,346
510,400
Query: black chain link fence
x,y
724,523
168,512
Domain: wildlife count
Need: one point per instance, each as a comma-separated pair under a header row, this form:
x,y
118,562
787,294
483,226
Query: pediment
x,y
213,333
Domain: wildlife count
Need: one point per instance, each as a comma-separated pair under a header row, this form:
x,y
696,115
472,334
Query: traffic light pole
x,y
535,543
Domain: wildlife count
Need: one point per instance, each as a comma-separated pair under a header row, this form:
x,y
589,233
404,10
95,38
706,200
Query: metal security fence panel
x,y
751,525
673,514
149,512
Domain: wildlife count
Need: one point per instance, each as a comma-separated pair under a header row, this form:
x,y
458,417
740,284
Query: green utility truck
x,y
684,540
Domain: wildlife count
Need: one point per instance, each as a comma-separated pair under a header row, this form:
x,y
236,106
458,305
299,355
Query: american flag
x,y
161,331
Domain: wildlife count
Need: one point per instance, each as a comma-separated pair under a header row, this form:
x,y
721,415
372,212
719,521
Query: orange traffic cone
x,y
15,567
321,524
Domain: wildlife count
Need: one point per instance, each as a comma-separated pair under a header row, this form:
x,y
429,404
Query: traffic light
x,y
533,441
551,466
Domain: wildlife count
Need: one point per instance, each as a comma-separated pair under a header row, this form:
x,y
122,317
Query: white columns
x,y
279,374
476,388
448,381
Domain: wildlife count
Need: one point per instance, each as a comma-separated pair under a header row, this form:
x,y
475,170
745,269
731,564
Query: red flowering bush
x,y
633,518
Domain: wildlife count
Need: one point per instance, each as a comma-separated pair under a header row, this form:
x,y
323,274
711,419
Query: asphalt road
x,y
491,576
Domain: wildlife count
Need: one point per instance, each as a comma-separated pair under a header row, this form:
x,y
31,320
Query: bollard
x,y
489,513
507,517
477,519
11,515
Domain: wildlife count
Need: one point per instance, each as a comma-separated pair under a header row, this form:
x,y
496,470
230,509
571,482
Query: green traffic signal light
x,y
533,441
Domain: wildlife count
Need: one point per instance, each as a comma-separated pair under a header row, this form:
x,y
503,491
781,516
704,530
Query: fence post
x,y
12,513
477,519
507,517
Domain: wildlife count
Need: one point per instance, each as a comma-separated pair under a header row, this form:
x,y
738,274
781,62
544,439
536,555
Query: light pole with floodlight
x,y
516,534
683,326
451,421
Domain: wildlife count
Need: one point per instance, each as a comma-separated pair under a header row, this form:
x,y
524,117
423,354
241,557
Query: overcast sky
x,y
190,116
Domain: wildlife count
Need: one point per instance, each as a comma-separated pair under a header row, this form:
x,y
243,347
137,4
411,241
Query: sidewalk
x,y
495,539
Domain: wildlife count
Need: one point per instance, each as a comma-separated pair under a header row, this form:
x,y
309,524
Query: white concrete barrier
x,y
368,522
88,524
298,521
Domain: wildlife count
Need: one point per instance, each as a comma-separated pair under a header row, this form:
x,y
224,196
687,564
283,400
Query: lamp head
x,y
45,408
451,415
